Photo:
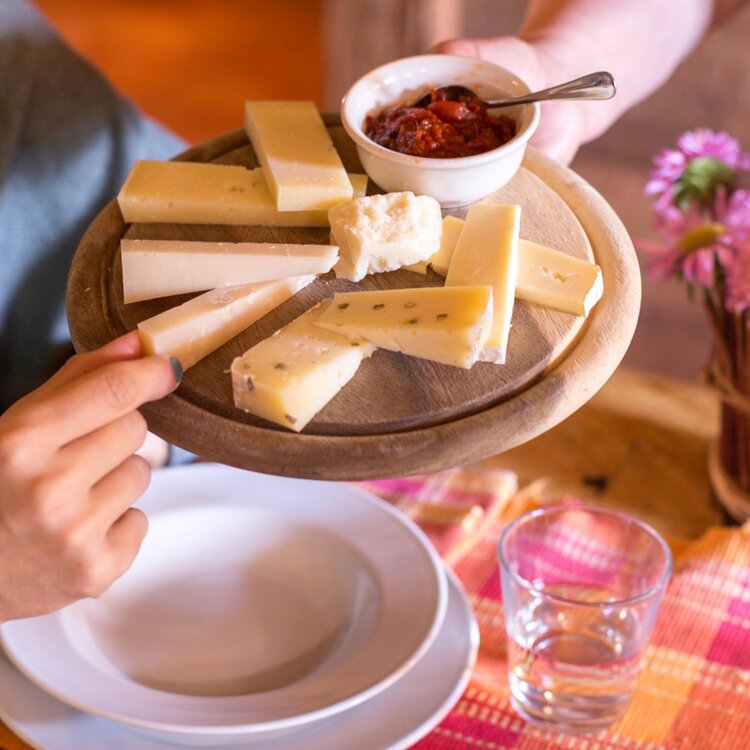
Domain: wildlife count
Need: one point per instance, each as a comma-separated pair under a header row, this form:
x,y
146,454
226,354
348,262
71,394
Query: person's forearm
x,y
640,42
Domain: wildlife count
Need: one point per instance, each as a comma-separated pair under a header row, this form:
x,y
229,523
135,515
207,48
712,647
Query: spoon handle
x,y
600,85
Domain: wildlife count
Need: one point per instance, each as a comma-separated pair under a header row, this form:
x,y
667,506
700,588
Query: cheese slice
x,y
291,376
384,232
182,192
159,268
554,279
487,253
545,276
300,163
443,324
441,260
201,325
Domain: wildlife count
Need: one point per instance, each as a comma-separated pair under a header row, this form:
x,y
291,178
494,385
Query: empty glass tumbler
x,y
581,589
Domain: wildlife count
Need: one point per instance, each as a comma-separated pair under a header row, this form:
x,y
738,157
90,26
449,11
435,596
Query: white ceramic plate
x,y
257,603
394,719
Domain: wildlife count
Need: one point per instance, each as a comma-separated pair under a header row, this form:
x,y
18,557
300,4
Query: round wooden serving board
x,y
398,415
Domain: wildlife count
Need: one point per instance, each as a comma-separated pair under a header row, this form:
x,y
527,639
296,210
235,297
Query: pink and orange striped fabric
x,y
694,688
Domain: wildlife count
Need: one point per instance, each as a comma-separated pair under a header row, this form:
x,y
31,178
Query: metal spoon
x,y
600,85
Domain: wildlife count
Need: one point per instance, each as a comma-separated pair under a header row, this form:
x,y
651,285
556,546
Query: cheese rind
x,y
487,253
289,377
555,279
300,163
159,268
201,325
443,324
384,232
181,192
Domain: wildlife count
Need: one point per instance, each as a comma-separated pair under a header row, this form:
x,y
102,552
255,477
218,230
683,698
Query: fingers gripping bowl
x,y
452,181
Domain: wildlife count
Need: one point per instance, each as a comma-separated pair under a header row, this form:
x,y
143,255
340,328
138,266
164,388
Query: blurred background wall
x,y
191,64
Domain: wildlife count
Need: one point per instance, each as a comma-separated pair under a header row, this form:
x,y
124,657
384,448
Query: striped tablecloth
x,y
694,687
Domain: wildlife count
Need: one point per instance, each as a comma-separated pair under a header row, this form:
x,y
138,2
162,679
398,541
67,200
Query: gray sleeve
x,y
67,142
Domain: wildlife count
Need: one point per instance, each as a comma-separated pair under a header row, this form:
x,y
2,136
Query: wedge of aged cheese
x,y
545,276
444,324
384,232
182,192
487,253
300,163
197,327
291,376
440,261
159,268
549,277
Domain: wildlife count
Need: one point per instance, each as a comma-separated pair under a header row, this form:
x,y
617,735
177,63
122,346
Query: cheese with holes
x,y
289,377
159,268
443,324
182,192
201,325
545,276
487,253
300,163
554,279
384,232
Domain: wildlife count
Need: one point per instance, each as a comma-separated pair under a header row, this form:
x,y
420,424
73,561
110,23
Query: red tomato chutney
x,y
444,129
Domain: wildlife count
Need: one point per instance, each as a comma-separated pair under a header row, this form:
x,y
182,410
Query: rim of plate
x,y
173,489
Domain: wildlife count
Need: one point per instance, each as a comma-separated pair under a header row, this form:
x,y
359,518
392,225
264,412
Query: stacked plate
x,y
262,612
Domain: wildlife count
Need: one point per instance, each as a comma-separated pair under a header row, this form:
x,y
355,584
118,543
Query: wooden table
x,y
639,445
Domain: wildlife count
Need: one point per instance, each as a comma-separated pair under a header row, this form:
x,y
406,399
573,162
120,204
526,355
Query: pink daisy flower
x,y
701,248
721,146
705,161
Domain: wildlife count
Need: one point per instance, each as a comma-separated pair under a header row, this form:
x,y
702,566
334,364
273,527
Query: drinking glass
x,y
581,589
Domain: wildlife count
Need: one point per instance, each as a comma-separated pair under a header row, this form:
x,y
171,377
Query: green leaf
x,y
700,180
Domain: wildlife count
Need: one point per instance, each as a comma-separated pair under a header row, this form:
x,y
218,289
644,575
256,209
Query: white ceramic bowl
x,y
452,182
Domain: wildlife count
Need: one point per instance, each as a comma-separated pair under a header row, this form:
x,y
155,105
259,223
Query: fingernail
x,y
176,369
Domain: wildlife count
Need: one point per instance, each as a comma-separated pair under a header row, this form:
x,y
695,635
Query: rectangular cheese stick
x,y
300,163
289,377
443,324
201,325
181,192
487,253
160,268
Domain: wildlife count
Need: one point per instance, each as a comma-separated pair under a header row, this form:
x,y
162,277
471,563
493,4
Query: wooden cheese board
x,y
399,415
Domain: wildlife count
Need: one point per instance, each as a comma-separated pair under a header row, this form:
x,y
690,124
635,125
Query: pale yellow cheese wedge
x,y
558,280
159,268
545,276
201,325
181,192
289,377
443,324
440,261
384,232
300,163
487,253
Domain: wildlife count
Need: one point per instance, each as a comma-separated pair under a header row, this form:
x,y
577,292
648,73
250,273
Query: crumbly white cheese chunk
x,y
384,232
